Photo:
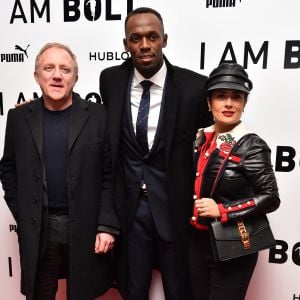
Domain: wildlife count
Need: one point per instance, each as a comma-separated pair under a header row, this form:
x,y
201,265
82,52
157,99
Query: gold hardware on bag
x,y
243,234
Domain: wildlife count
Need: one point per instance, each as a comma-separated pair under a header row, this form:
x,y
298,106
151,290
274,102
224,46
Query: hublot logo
x,y
108,55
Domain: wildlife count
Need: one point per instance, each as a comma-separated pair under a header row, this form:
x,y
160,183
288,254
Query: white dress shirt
x,y
156,93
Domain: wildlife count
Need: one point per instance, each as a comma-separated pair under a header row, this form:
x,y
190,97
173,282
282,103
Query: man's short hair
x,y
60,46
144,10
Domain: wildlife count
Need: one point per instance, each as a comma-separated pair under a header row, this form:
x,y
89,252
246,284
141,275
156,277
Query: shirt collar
x,y
237,131
158,78
229,137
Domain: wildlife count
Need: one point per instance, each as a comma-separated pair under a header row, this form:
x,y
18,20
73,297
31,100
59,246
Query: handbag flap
x,y
229,231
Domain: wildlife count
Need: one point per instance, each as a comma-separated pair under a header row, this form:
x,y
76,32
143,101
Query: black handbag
x,y
240,237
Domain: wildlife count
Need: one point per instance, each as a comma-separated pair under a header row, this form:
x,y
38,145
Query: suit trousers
x,y
145,249
54,262
210,280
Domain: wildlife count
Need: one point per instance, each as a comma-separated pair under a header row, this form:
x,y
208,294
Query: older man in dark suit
x,y
155,109
57,178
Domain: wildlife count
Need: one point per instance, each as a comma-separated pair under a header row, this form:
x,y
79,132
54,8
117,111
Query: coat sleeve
x,y
108,220
257,168
8,175
102,84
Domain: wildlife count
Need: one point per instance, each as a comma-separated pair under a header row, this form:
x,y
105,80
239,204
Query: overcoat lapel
x,y
35,120
170,108
79,115
117,104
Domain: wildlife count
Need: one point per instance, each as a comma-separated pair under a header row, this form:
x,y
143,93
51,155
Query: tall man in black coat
x,y
159,180
57,177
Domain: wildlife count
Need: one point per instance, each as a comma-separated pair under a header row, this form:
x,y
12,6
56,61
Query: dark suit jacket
x,y
185,110
89,192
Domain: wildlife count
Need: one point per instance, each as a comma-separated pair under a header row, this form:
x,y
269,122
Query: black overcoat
x,y
89,181
185,110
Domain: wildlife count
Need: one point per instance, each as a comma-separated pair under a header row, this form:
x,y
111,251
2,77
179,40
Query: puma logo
x,y
17,47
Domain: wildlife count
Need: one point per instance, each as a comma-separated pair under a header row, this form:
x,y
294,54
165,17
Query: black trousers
x,y
54,262
145,248
212,280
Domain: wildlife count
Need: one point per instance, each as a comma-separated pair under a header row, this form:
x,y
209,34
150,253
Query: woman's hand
x,y
207,207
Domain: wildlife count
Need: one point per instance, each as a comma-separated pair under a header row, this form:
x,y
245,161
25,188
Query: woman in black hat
x,y
234,180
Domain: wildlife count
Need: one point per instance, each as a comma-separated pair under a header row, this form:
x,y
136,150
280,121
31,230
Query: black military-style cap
x,y
229,76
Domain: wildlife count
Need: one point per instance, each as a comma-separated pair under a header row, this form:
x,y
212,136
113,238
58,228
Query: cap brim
x,y
228,86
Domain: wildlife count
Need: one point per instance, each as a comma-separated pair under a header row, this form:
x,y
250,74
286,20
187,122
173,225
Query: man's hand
x,y
24,102
104,242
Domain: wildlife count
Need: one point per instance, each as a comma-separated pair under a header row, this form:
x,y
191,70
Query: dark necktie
x,y
142,117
